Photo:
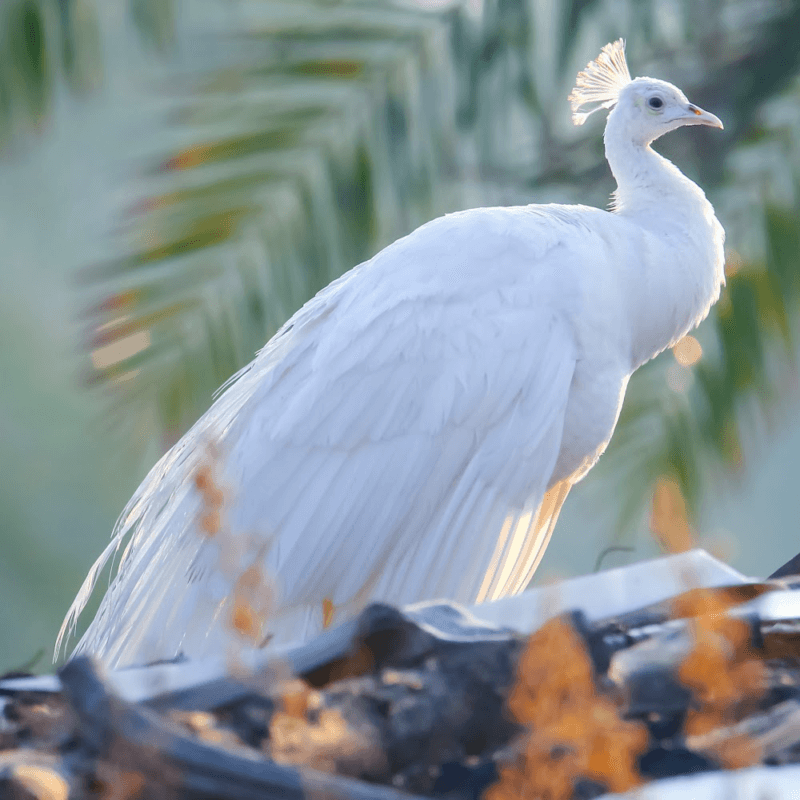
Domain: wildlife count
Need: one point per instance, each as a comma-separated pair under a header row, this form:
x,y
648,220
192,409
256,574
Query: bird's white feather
x,y
355,399
600,82
413,430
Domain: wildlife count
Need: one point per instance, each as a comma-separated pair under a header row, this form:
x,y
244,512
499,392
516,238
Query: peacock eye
x,y
655,102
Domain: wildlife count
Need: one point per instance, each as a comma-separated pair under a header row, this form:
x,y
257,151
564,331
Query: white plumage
x,y
413,430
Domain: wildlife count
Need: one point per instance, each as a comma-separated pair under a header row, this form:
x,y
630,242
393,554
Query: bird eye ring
x,y
655,102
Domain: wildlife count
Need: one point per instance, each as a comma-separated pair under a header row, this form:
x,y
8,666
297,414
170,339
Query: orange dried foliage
x,y
211,523
207,728
118,784
324,740
359,661
668,519
720,671
213,498
328,610
252,599
327,744
739,752
295,698
245,621
574,732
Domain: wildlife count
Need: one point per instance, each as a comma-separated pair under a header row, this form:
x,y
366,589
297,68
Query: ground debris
x,y
458,711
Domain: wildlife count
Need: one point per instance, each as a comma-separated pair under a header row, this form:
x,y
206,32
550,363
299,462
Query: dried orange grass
x,y
720,670
724,677
574,732
252,600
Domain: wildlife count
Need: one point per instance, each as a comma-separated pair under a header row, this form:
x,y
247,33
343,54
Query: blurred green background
x,y
178,176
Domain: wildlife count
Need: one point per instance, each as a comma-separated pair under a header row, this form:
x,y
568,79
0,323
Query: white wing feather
x,y
395,440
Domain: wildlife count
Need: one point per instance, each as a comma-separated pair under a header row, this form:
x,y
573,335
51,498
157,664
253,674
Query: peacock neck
x,y
644,178
679,272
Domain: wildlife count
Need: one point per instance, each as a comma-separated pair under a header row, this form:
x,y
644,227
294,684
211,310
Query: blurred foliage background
x,y
178,176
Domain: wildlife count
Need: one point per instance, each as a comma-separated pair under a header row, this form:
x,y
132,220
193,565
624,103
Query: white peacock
x,y
412,432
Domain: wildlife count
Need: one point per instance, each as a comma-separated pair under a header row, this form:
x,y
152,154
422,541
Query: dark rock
x,y
459,781
586,789
597,645
790,568
250,718
662,762
412,701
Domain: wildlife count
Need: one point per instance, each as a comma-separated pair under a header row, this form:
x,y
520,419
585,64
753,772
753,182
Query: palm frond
x,y
39,41
332,134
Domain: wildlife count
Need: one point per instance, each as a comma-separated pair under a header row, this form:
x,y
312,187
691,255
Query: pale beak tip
x,y
705,117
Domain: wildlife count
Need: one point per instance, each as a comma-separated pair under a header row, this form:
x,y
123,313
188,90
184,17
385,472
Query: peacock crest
x,y
601,81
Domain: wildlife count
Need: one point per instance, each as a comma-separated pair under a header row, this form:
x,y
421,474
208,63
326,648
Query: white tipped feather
x,y
601,81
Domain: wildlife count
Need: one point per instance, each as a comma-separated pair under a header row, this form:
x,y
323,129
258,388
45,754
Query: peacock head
x,y
646,107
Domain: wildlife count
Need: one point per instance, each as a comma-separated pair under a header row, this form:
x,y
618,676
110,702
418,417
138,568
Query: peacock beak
x,y
696,116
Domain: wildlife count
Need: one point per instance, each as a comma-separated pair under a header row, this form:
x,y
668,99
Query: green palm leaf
x,y
40,40
299,162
